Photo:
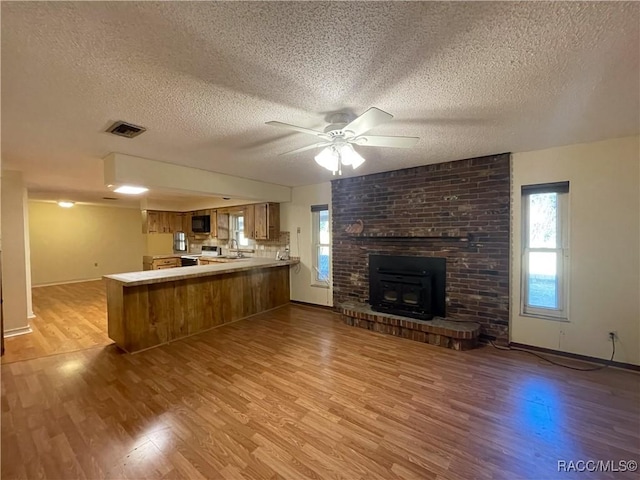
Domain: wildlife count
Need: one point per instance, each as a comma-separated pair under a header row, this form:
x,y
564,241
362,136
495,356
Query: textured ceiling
x,y
469,79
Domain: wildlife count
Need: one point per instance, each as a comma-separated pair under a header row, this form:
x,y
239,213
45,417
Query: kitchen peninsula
x,y
150,308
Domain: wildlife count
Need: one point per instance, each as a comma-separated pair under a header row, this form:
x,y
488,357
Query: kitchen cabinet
x,y
187,224
207,261
161,310
267,221
154,221
249,222
261,221
222,223
213,216
161,263
165,223
177,221
150,221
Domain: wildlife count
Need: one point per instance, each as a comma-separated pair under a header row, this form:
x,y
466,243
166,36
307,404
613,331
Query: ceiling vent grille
x,y
124,129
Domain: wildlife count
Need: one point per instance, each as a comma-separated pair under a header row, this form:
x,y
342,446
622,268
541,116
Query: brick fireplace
x,y
458,211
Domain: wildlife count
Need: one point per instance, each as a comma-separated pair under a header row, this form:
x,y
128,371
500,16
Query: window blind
x,y
556,187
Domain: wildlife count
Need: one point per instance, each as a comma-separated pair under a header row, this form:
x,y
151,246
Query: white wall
x,y
83,242
297,213
16,287
604,248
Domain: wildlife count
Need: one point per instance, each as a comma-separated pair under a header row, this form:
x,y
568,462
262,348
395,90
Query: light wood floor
x,y
294,393
68,318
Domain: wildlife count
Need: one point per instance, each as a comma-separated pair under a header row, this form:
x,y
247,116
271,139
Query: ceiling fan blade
x,y
369,119
382,141
298,129
308,147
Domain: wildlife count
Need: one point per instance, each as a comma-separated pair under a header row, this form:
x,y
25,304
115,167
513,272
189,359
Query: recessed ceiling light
x,y
66,203
130,190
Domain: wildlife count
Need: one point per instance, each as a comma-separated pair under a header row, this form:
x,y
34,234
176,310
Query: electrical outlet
x,y
613,335
298,230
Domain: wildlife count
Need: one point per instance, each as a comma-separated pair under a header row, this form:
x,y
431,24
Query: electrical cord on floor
x,y
591,369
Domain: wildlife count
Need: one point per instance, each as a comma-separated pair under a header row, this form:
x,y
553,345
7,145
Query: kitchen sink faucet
x,y
238,252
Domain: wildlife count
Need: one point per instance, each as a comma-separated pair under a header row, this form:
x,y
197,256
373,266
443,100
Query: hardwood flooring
x,y
293,393
69,317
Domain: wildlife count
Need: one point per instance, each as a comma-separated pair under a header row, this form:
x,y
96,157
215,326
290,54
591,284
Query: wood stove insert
x,y
408,286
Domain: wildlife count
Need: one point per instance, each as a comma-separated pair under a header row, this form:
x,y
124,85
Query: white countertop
x,y
150,258
181,273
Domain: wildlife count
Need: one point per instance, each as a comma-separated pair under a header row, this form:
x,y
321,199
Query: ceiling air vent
x,y
125,129
109,198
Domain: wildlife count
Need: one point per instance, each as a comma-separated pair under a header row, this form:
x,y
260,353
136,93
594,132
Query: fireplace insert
x,y
409,286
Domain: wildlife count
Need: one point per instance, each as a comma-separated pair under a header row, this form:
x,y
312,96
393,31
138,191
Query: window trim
x,y
316,245
562,252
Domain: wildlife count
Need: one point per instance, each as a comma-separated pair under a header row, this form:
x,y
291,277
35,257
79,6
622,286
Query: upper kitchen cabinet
x,y
222,223
154,221
249,222
150,220
267,221
177,219
261,221
186,223
213,215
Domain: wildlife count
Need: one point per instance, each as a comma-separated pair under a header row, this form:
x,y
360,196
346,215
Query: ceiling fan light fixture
x,y
349,156
342,133
328,158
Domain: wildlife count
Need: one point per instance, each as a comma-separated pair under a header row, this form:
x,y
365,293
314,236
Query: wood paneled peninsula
x,y
150,308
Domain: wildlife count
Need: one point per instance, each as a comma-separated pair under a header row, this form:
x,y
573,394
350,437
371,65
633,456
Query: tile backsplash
x,y
261,248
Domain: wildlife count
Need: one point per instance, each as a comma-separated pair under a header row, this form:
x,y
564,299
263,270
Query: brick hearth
x,y
441,332
456,210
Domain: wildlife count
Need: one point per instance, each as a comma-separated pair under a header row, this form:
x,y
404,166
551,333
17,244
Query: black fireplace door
x,y
407,286
403,293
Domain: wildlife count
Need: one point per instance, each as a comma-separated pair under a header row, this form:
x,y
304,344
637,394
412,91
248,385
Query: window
x,y
321,238
237,228
545,256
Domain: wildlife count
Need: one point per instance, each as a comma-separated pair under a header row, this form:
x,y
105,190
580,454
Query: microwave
x,y
201,224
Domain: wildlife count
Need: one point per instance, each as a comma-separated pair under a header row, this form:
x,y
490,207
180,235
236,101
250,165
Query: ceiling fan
x,y
339,137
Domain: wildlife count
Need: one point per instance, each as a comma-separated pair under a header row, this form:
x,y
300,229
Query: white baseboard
x,y
14,332
65,283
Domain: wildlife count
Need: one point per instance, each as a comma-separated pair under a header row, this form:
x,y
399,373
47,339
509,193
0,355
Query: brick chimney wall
x,y
456,210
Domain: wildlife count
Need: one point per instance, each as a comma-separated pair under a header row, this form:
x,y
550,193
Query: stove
x,y
189,260
209,251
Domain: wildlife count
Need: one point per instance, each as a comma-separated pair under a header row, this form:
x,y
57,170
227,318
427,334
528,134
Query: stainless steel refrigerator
x,y
179,242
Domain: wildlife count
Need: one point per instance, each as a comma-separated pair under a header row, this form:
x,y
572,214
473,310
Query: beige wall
x,y
158,243
297,213
67,243
16,287
604,248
